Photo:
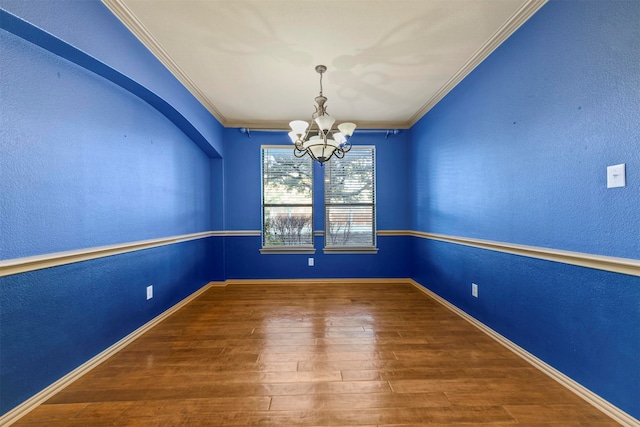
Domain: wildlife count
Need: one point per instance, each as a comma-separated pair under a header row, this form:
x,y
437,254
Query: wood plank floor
x,y
315,355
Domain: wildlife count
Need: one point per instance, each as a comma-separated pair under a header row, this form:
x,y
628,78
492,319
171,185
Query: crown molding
x,y
124,14
525,12
127,17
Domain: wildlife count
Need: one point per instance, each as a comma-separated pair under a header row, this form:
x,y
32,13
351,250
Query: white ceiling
x,y
252,62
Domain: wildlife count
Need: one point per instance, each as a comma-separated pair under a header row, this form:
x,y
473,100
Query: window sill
x,y
350,250
280,250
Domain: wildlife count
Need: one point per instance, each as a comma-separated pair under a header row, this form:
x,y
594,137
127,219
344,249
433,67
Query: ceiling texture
x,y
251,63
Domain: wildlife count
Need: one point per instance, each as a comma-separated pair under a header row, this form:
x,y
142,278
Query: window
x,y
287,200
349,197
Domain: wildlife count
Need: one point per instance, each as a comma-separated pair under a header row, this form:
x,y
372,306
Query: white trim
x,y
315,282
350,250
599,262
282,125
37,262
279,250
120,9
525,12
394,232
238,233
578,389
34,401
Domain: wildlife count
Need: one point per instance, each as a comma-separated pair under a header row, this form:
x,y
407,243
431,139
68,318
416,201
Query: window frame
x,y
352,248
284,249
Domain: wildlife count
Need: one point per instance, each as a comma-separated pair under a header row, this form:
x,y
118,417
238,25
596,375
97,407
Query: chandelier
x,y
317,138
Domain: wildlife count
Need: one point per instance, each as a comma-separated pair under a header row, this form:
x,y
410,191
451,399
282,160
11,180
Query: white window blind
x,y
350,193
287,199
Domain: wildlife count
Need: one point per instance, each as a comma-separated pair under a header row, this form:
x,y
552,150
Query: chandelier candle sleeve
x,y
317,138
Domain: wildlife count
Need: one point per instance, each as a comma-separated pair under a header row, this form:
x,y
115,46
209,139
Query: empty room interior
x,y
278,212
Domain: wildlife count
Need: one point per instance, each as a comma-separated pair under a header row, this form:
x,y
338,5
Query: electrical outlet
x,y
474,290
149,292
310,262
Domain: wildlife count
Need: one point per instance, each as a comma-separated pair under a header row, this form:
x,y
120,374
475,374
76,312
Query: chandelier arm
x,y
306,134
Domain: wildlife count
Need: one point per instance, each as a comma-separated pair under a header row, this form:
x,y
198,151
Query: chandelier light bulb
x,y
299,127
339,137
347,128
325,122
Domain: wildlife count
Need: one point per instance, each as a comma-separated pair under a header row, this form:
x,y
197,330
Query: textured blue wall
x,y
243,182
583,322
518,153
242,211
89,26
244,261
83,163
55,319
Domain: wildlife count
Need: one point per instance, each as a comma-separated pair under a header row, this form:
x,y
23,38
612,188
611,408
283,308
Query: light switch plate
x,y
616,176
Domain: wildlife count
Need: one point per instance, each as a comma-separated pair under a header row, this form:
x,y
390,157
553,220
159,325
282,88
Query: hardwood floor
x,y
315,355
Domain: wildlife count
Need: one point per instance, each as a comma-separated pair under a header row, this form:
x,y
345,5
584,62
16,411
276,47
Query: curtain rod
x,y
385,131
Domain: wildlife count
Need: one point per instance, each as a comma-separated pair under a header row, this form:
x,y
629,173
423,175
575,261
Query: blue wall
x,y
91,35
86,164
53,320
242,210
517,153
99,145
90,158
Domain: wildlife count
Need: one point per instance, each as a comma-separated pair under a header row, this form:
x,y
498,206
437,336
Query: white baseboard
x,y
33,402
598,402
612,411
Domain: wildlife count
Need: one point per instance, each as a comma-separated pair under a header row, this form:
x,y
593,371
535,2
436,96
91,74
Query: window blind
x,y
287,198
350,199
